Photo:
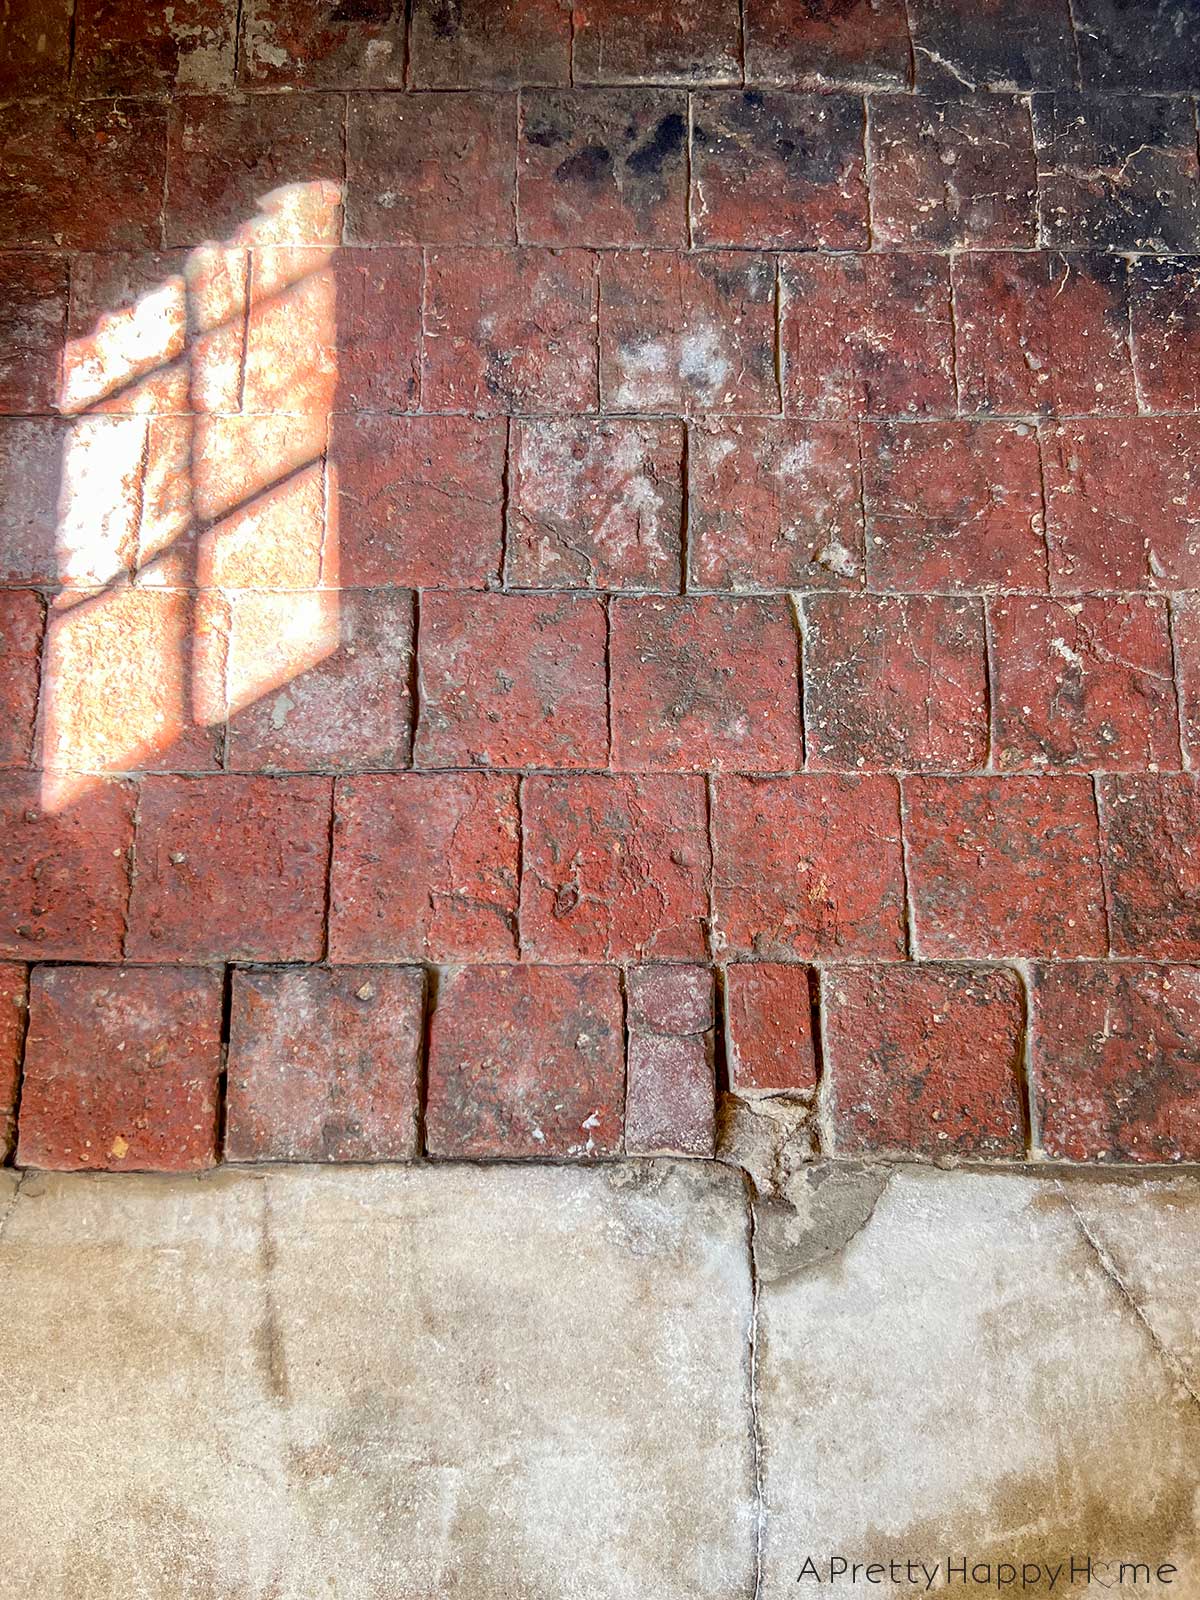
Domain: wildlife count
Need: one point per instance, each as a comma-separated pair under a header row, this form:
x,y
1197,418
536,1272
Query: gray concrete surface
x,y
548,1382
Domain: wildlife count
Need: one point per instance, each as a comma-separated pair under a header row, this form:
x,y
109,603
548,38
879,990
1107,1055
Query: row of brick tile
x,y
322,681
753,505
450,867
97,48
1011,333
132,1067
608,167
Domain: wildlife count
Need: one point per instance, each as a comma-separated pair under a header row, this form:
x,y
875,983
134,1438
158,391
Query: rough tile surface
x,y
518,487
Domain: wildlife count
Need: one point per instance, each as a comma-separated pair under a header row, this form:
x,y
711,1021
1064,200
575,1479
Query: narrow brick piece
x,y
867,335
419,500
323,1064
703,682
64,875
688,333
510,330
264,168
431,169
424,868
1151,823
13,1008
614,867
1165,322
1123,503
774,505
33,314
895,681
925,1060
294,336
1004,867
670,1105
377,322
292,333
595,504
860,44
1117,172
778,170
953,506
20,668
666,999
81,176
808,867
1083,683
101,476
626,41
1116,1065
121,1069
153,49
319,681
292,45
526,1062
603,166
768,1028
992,44
467,44
952,175
230,868
1041,332
511,680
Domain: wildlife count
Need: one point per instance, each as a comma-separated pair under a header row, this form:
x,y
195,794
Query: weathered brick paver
x,y
561,563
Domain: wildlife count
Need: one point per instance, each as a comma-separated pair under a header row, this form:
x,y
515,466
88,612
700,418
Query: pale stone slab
x,y
379,1382
965,1376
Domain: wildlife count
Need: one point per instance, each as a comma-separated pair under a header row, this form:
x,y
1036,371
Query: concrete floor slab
x,y
536,1382
967,1375
379,1382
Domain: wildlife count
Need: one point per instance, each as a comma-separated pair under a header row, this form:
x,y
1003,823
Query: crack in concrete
x,y
756,1443
829,1240
12,1204
1169,1360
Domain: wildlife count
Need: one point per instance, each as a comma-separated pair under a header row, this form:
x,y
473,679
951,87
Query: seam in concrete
x,y
1108,1266
12,1204
756,1444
